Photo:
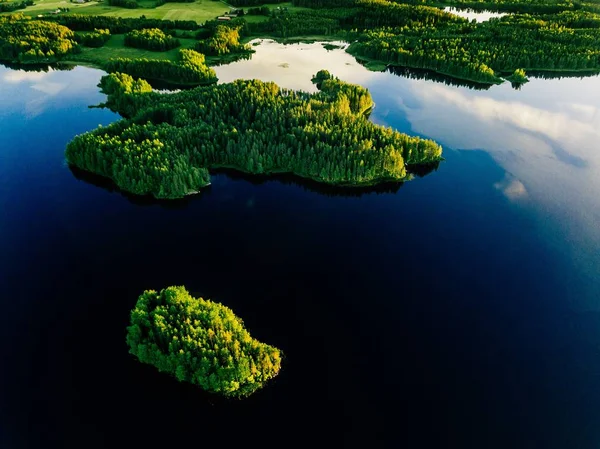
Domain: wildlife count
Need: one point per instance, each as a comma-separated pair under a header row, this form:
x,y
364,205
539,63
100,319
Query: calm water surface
x,y
460,310
478,16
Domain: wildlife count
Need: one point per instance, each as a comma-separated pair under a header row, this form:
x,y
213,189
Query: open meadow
x,y
199,11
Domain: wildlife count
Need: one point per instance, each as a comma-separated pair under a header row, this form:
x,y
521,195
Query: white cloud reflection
x,y
19,76
547,136
293,65
34,91
511,187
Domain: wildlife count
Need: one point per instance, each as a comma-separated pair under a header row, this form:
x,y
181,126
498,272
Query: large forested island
x,y
168,142
200,342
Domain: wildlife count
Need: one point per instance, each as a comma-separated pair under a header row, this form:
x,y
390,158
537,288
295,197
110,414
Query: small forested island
x,y
201,342
168,142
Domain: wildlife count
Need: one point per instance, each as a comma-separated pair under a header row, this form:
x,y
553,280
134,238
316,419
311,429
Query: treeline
x,y
164,2
368,14
201,342
482,52
121,90
119,25
301,23
129,4
359,98
189,69
15,6
209,27
424,37
169,141
239,3
325,3
33,41
431,75
95,39
352,15
224,40
511,6
259,11
151,39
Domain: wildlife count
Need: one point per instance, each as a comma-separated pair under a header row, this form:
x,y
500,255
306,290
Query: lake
x,y
471,14
459,310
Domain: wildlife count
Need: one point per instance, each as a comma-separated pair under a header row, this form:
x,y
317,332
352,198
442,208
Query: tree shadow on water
x,y
57,66
430,75
139,200
255,180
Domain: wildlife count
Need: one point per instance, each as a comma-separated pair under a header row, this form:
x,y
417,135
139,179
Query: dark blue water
x,y
459,311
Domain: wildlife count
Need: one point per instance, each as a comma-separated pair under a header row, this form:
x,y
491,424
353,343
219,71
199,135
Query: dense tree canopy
x,y
33,41
6,6
481,52
96,38
200,342
151,39
129,4
169,141
517,6
562,35
116,25
223,40
428,38
189,69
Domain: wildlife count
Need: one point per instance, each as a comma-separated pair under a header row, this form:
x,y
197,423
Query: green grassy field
x,y
115,48
199,11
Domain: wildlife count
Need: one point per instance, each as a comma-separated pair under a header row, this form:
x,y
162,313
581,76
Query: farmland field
x,y
200,10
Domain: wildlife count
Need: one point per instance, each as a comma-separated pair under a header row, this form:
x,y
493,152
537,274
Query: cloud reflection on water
x,y
16,85
292,66
546,135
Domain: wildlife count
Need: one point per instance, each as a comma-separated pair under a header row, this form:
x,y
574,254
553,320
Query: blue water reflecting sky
x,y
465,301
545,136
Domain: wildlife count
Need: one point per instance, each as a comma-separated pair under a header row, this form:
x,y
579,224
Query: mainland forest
x,y
151,39
201,342
188,69
537,36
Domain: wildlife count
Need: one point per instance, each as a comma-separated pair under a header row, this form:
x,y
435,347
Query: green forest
x,y
516,6
153,39
425,37
201,342
31,41
189,69
484,52
222,40
94,39
553,35
169,141
6,6
119,25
